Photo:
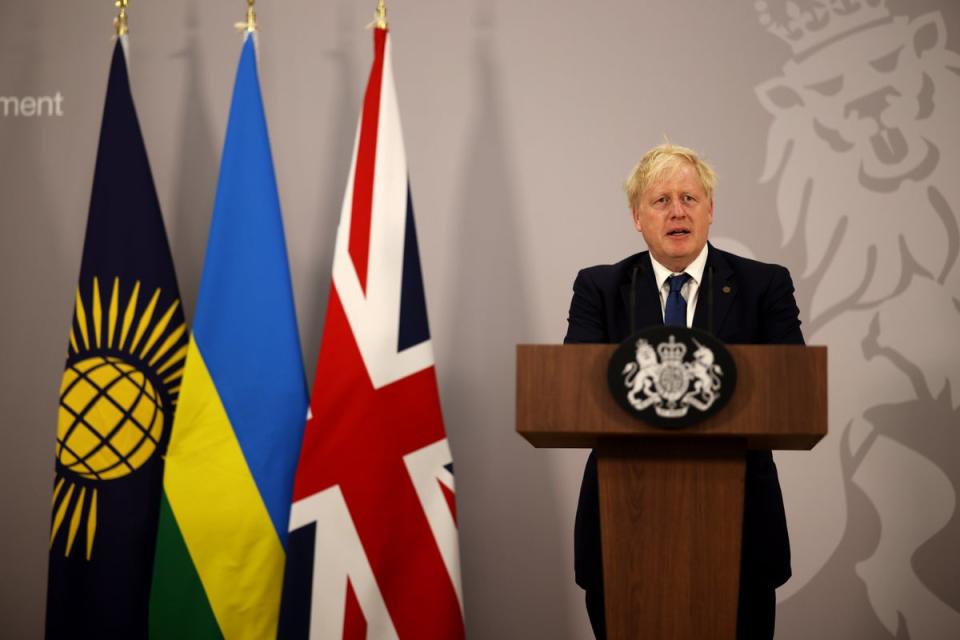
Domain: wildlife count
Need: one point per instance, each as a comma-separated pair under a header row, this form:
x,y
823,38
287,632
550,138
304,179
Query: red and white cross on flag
x,y
373,537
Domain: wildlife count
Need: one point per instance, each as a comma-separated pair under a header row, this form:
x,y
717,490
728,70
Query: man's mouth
x,y
678,233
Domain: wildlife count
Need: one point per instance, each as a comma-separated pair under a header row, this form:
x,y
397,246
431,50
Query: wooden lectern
x,y
671,501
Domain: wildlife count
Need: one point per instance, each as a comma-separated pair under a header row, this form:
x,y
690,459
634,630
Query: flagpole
x,y
120,22
380,21
250,24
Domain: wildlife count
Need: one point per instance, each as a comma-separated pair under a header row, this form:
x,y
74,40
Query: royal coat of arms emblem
x,y
671,376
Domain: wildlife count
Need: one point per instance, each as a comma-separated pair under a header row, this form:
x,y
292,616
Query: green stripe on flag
x,y
179,607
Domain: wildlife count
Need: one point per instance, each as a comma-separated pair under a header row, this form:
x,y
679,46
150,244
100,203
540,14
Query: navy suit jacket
x,y
753,304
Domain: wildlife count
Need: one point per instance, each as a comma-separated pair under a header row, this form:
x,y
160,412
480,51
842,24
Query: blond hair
x,y
662,159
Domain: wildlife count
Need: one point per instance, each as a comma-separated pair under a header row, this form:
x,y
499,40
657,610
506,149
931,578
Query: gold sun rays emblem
x,y
119,386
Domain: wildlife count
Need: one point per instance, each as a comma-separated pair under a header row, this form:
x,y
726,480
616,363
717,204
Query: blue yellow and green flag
x,y
237,432
125,359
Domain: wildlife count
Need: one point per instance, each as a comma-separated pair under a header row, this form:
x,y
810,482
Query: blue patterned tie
x,y
675,312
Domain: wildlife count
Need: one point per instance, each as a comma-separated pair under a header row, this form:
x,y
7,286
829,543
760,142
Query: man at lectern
x,y
670,193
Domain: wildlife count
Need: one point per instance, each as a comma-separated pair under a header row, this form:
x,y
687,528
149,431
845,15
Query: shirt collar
x,y
694,269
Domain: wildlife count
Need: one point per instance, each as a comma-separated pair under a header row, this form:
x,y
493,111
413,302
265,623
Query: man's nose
x,y
676,209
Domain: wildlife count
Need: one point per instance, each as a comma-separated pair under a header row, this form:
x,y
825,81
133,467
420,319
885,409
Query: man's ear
x,y
710,217
636,219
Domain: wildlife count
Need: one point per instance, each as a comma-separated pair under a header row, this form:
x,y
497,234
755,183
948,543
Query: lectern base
x,y
671,520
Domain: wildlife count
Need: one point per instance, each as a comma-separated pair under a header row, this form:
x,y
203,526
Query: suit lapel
x,y
724,291
648,312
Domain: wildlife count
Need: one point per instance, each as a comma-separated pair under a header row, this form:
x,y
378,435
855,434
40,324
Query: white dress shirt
x,y
690,289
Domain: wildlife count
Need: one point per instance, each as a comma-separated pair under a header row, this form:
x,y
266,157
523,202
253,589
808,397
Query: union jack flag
x,y
373,537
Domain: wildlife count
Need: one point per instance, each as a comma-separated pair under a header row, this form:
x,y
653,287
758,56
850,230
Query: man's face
x,y
674,216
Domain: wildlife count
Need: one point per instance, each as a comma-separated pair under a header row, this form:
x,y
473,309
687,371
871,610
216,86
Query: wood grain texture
x,y
671,501
672,513
780,400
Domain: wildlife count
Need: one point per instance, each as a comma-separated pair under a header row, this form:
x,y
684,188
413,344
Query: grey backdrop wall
x,y
833,125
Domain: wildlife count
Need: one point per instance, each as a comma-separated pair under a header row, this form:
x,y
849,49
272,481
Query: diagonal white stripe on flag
x,y
376,339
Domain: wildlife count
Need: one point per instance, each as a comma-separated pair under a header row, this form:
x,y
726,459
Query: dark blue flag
x,y
121,380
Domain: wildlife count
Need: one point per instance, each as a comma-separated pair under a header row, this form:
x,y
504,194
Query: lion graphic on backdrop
x,y
872,113
865,152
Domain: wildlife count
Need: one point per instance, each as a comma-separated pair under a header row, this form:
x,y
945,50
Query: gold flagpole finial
x,y
250,25
120,22
380,21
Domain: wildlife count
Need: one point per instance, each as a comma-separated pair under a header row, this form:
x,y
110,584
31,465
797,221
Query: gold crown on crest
x,y
671,351
820,21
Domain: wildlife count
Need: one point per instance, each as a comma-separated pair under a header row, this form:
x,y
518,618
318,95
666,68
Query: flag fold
x,y
120,386
373,549
237,431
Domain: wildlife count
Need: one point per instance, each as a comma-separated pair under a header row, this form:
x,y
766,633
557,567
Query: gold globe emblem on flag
x,y
122,376
111,418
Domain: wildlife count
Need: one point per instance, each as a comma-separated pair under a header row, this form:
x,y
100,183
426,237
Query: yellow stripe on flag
x,y
218,509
